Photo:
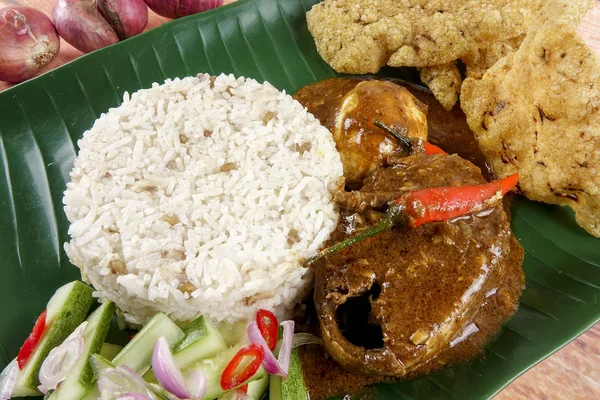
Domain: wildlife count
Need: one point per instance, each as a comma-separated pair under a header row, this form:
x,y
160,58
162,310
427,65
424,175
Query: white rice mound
x,y
201,197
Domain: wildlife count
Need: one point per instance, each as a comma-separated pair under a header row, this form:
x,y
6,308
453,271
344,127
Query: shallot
x,y
89,25
29,42
166,371
126,17
61,359
181,8
80,23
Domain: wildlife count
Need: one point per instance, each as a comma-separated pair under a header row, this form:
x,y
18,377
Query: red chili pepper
x,y
32,341
231,377
268,327
443,203
244,389
421,206
431,149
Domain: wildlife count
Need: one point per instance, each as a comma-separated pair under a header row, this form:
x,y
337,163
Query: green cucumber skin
x,y
193,332
97,340
202,341
99,364
68,318
81,378
208,344
292,388
137,354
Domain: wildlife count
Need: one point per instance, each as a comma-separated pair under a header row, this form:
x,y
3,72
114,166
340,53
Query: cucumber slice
x,y
109,350
232,332
292,388
93,394
214,367
137,354
67,308
202,340
99,364
80,378
257,388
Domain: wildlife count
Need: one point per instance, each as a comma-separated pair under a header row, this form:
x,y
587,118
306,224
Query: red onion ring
x,y
133,396
59,361
197,383
166,371
132,375
286,346
272,365
8,378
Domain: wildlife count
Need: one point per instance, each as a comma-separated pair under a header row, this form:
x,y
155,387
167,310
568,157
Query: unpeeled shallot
x,y
29,42
181,8
126,17
89,25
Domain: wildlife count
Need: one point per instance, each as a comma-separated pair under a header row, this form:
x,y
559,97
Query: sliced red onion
x,y
197,383
115,382
107,384
133,376
272,365
166,371
133,396
270,362
286,346
61,359
8,378
161,392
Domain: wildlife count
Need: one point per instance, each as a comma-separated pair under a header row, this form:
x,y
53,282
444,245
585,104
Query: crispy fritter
x,y
483,58
362,36
537,112
444,81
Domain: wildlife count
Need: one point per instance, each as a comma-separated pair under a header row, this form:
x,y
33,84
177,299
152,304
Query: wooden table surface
x,y
572,373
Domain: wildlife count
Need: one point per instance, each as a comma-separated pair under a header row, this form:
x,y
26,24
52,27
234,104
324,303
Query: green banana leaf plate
x,y
41,121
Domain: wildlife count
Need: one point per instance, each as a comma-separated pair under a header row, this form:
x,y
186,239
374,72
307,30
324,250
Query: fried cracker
x,y
537,112
444,82
362,36
483,58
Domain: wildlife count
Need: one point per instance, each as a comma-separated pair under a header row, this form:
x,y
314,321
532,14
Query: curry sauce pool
x,y
478,298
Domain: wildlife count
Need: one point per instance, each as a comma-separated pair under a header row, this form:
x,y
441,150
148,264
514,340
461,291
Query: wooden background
x,y
573,373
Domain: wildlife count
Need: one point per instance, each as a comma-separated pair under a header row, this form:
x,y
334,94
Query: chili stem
x,y
385,224
427,205
403,139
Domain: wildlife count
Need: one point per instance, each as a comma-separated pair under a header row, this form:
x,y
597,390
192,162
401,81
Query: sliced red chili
x,y
231,377
32,341
244,389
268,326
431,149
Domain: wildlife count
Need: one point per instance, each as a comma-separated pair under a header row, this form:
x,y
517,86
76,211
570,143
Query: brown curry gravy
x,y
449,130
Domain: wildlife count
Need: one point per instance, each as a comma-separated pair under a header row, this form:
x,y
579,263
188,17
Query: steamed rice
x,y
202,196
